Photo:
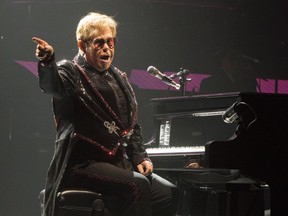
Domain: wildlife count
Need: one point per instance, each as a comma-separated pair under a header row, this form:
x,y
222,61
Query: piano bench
x,y
77,202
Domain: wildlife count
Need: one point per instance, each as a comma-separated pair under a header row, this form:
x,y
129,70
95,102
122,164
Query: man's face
x,y
100,50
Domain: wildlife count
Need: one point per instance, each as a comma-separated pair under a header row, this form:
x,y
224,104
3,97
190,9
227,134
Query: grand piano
x,y
254,138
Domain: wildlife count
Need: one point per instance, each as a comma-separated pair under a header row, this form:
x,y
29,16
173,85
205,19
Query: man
x,y
98,141
233,72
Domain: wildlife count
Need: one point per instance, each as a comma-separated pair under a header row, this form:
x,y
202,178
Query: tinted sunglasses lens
x,y
111,42
98,43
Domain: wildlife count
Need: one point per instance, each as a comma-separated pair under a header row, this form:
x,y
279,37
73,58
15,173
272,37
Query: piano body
x,y
183,125
191,128
259,148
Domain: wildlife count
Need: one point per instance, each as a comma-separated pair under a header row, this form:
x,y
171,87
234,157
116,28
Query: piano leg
x,y
279,199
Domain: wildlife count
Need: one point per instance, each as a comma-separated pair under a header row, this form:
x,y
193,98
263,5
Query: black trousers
x,y
135,194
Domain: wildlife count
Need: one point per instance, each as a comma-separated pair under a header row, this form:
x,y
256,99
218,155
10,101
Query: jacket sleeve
x,y
58,79
135,149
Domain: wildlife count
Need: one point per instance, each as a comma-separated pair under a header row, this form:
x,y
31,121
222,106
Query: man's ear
x,y
82,45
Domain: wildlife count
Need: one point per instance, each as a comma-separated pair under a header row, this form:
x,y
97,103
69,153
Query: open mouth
x,y
105,57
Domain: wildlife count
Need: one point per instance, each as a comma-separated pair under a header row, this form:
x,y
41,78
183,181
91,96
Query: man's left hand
x,y
145,168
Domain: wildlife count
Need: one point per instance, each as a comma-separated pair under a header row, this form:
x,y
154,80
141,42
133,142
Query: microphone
x,y
156,73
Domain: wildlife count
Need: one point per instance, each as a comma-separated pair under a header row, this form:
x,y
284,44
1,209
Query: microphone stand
x,y
182,74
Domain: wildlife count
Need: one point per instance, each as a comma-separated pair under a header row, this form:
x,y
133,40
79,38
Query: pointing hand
x,y
43,50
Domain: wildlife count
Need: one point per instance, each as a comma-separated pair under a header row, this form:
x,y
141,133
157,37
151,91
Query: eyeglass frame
x,y
102,41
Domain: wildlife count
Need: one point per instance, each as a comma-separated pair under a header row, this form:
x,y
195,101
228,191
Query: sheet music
x,y
164,136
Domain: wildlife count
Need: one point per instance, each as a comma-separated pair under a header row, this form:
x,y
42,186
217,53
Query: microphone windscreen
x,y
152,70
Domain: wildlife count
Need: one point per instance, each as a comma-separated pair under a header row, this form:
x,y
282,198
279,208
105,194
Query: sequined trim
x,y
109,152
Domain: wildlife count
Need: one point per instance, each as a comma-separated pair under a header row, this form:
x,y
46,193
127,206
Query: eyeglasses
x,y
99,42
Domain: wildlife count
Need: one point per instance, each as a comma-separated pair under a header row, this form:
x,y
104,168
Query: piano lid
x,y
197,102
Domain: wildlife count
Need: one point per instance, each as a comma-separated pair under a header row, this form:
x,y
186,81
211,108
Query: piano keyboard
x,y
171,151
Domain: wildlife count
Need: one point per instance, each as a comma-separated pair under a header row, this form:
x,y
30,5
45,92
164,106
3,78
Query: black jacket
x,y
85,110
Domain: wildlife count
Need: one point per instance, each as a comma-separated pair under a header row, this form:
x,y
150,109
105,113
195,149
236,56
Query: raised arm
x,y
48,71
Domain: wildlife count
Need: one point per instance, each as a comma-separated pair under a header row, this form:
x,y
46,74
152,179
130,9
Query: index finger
x,y
40,41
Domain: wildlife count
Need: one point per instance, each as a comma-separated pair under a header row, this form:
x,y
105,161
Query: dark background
x,y
167,34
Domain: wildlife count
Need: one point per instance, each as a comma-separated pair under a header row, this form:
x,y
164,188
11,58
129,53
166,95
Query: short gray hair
x,y
94,22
